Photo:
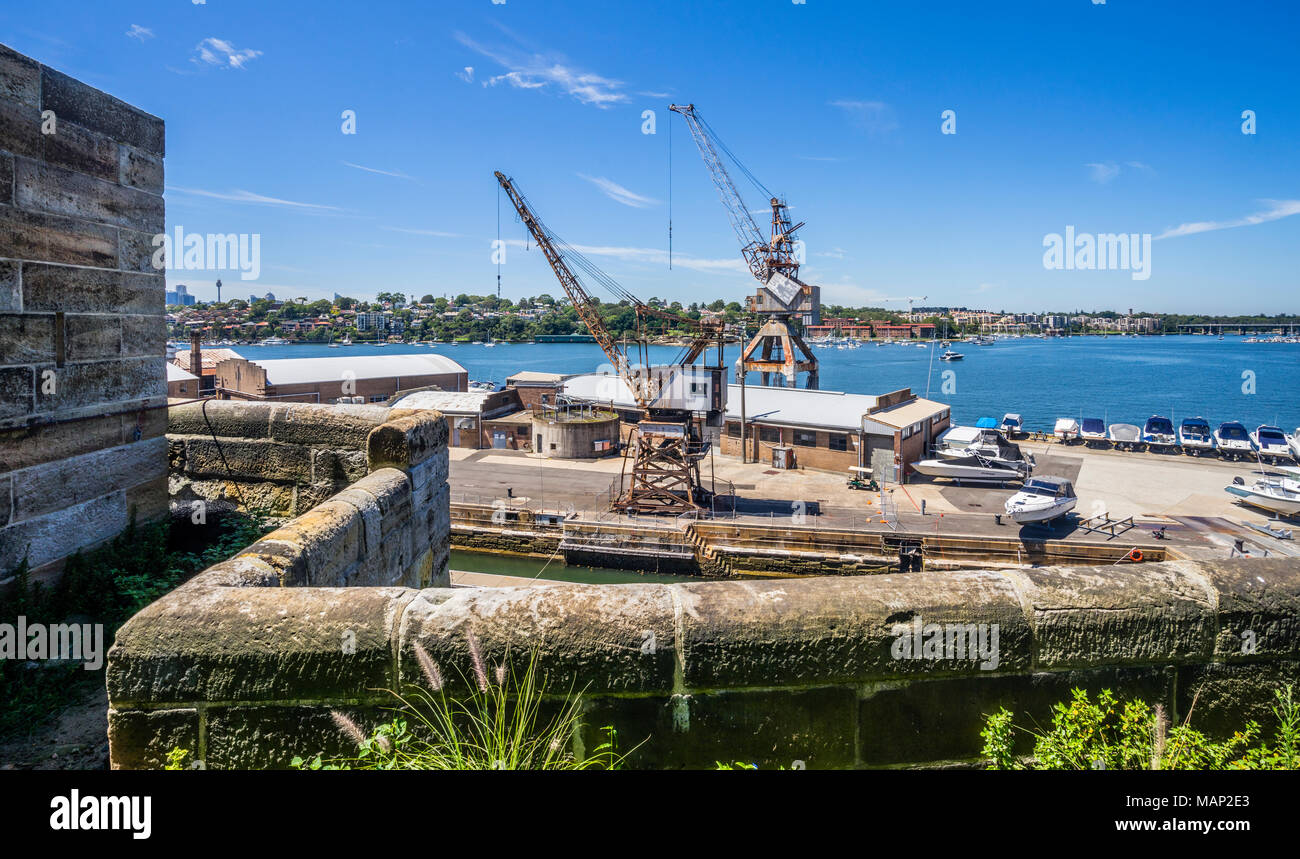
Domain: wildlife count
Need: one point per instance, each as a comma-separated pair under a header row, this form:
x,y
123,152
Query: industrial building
x,y
796,427
475,419
353,378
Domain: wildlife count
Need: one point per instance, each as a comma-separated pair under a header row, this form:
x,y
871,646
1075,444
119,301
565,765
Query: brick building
x,y
476,419
82,334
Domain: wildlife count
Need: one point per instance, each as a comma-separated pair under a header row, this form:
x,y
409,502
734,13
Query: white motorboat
x,y
482,387
1125,435
957,439
992,445
1092,430
1195,435
1042,499
1158,433
973,467
1066,430
1268,494
950,355
1293,442
1232,441
1011,424
1270,443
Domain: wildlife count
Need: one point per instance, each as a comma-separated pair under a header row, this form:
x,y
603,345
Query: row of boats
x,y
1193,436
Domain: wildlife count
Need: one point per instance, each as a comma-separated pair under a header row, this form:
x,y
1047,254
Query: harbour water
x,y
1118,379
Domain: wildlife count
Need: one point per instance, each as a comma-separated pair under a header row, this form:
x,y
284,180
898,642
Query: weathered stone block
x,y
20,77
263,460
270,737
73,100
136,252
137,169
1220,698
26,338
53,238
143,336
141,739
1258,607
91,337
101,382
226,418
83,290
58,485
1108,615
58,534
58,191
825,630
221,644
407,441
322,426
84,151
11,296
587,636
25,447
16,392
20,129
6,179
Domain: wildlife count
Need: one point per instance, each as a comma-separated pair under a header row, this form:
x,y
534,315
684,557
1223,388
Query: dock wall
x,y
785,673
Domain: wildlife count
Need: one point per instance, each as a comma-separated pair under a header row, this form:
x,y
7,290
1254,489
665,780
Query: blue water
x,y
1119,379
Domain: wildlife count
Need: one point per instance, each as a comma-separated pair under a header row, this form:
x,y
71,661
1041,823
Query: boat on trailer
x,y
1092,430
1125,436
1041,500
1269,494
1232,440
1158,434
1270,443
1012,423
974,467
1195,435
1066,430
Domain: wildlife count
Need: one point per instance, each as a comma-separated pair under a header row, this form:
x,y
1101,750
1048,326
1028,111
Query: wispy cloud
x,y
1277,209
1102,172
414,232
874,117
241,196
653,256
534,70
139,33
649,94
218,52
618,193
833,253
1138,165
466,74
395,174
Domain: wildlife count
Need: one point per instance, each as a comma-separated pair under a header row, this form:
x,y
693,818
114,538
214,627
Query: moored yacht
x,y
1270,443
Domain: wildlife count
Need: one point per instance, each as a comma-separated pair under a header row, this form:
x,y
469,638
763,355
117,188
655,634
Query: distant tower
x,y
218,291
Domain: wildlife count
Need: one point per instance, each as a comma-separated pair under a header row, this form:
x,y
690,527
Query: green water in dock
x,y
511,565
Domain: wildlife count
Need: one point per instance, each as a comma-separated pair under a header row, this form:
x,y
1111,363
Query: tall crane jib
x,y
680,402
777,351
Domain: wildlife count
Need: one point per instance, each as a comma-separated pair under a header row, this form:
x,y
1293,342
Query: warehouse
x,y
353,378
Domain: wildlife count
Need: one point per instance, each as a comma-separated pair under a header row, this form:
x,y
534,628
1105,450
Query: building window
x,y
770,434
521,431
804,438
733,430
378,399
838,441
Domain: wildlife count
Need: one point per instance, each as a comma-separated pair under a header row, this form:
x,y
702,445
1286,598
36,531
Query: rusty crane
x,y
776,350
667,444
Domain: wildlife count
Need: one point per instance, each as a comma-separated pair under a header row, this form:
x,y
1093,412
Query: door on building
x,y
498,440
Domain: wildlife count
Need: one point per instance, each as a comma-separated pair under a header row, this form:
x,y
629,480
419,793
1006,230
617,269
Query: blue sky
x,y
1116,117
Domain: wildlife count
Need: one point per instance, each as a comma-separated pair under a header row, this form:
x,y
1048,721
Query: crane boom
x,y
587,307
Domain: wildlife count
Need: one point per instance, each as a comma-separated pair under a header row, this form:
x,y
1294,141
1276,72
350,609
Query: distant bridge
x,y
1238,327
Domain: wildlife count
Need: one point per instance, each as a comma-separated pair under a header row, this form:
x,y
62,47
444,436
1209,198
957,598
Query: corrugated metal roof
x,y
535,377
448,402
209,357
176,374
906,414
301,371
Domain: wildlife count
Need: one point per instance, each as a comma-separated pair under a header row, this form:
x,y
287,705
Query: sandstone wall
x,y
781,673
82,336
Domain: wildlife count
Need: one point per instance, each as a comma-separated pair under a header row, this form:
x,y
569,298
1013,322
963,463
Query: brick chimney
x,y
196,357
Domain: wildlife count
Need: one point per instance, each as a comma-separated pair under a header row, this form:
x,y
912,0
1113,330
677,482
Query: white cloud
x,y
241,196
1102,173
466,74
219,52
618,193
655,94
533,70
434,233
139,33
1138,165
873,117
1277,209
392,173
833,253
